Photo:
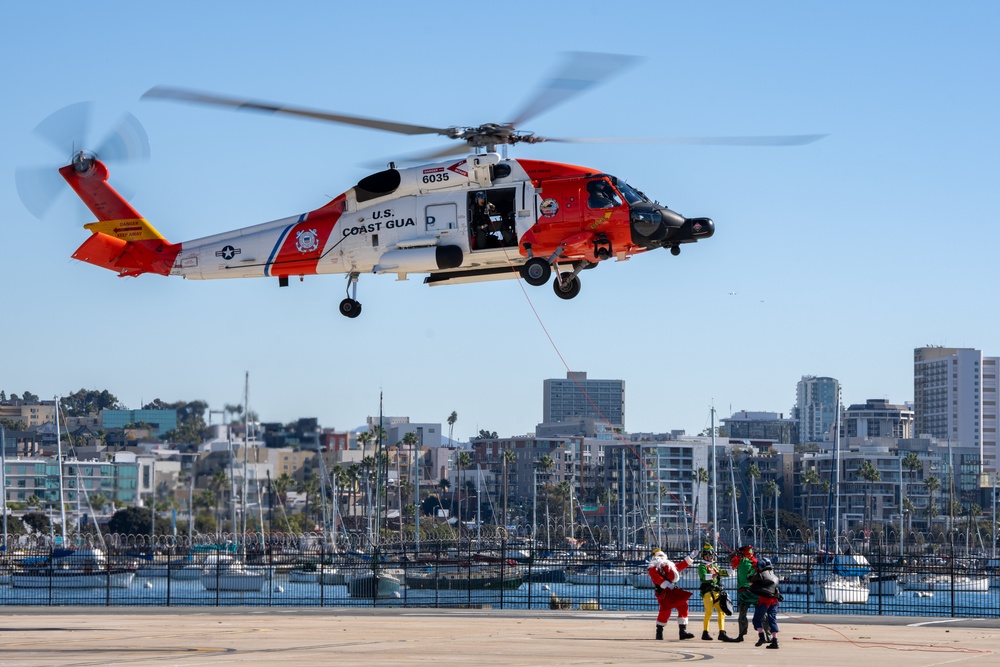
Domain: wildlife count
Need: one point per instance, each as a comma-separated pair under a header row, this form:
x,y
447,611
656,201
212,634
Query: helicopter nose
x,y
700,228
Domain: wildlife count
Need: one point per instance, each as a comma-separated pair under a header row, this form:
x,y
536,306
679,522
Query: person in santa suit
x,y
666,575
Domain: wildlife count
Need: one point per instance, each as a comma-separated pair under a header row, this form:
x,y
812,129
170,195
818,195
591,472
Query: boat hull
x,y
64,579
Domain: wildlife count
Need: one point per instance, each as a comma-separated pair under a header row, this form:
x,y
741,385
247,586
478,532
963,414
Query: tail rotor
x,y
68,131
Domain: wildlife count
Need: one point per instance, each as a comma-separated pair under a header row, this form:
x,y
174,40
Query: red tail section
x,y
122,240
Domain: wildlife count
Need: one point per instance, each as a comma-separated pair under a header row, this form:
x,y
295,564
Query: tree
x,y
700,477
98,501
89,401
753,471
36,521
217,483
870,474
933,484
509,457
463,462
487,435
545,464
191,427
452,418
810,479
281,485
131,521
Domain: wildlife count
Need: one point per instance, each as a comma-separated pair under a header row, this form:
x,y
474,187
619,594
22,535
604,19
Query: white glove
x,y
694,554
666,585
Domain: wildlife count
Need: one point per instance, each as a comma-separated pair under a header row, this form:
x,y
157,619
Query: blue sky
x,y
843,255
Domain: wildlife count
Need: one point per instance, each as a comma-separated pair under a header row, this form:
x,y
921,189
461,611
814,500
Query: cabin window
x,y
492,217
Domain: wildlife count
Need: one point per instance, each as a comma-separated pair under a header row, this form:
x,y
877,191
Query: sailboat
x,y
842,578
70,568
379,582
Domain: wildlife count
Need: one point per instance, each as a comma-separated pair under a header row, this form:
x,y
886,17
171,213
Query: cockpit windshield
x,y
632,196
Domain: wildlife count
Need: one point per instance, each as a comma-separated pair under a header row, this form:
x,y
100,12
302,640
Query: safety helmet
x,y
481,195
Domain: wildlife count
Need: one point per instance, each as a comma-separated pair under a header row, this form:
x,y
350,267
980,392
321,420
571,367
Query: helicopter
x,y
466,213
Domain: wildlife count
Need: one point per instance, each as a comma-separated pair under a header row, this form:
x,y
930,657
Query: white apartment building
x,y
955,398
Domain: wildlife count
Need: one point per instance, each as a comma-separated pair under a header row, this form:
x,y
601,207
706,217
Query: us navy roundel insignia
x,y
306,240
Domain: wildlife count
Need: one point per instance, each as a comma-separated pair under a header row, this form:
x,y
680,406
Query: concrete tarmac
x,y
83,636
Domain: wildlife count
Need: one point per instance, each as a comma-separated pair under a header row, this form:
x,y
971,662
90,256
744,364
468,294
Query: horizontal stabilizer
x,y
131,229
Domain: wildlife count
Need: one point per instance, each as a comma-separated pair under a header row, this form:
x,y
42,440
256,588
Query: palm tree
x,y
771,491
700,477
870,474
365,438
353,484
281,485
310,486
452,418
933,484
912,463
545,464
463,462
509,457
98,501
810,478
443,484
216,484
753,471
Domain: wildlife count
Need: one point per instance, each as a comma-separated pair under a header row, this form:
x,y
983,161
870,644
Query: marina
x,y
352,583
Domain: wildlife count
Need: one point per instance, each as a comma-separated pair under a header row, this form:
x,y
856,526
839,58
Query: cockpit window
x,y
632,196
600,194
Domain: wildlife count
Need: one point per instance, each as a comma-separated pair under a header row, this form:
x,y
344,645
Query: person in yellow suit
x,y
711,592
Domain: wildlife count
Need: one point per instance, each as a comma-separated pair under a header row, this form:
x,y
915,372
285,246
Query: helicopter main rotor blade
x,y
776,140
581,71
182,95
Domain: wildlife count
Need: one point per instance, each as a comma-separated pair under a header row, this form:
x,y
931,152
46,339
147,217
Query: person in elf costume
x,y
710,577
745,564
666,575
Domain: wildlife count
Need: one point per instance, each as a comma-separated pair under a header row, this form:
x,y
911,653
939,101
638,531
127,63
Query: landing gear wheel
x,y
675,250
350,308
568,288
536,271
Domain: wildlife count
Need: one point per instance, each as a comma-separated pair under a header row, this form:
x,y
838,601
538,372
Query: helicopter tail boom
x,y
121,239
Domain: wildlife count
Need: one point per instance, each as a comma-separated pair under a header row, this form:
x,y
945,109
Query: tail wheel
x,y
536,271
350,308
568,287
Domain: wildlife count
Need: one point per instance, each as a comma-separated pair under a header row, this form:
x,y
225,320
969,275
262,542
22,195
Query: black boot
x,y
707,637
774,643
723,637
739,638
683,632
659,632
761,640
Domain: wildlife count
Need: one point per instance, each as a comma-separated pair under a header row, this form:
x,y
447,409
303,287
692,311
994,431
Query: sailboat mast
x,y
715,494
59,456
3,480
836,477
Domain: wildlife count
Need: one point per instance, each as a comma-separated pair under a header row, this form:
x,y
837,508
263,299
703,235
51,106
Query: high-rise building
x,y
576,396
955,398
817,400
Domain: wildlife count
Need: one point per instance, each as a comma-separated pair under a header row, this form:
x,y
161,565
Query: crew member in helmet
x,y
666,575
711,591
764,585
600,195
482,225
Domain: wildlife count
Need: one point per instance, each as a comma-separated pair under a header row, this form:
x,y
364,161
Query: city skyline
x,y
833,259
